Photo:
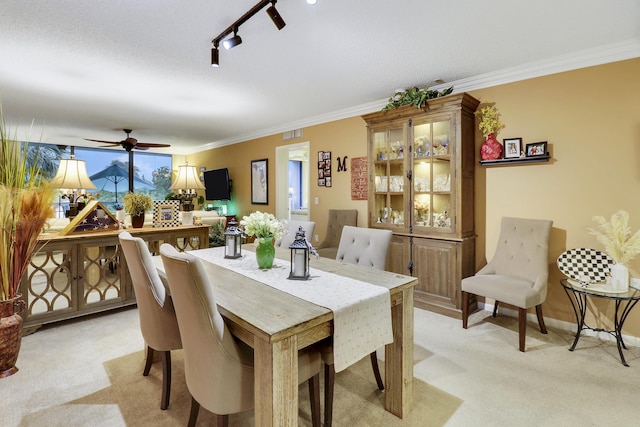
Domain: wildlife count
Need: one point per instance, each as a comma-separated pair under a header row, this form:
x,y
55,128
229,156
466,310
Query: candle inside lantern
x,y
231,250
298,264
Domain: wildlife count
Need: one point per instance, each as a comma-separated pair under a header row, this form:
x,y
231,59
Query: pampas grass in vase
x,y
619,244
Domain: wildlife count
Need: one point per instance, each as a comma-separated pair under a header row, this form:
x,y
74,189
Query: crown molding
x,y
620,51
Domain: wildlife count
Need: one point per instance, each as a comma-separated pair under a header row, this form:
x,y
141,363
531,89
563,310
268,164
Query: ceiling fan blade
x,y
139,147
100,140
151,145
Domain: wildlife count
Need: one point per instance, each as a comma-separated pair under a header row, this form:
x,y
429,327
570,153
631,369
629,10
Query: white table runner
x,y
361,311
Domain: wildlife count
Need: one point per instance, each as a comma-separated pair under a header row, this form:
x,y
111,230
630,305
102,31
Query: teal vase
x,y
265,252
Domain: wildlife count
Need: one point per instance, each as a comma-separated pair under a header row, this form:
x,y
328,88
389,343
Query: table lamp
x,y
72,176
187,182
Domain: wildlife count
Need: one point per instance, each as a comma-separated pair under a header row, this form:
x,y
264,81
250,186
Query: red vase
x,y
491,148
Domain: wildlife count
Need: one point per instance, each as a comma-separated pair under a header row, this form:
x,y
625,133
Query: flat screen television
x,y
217,184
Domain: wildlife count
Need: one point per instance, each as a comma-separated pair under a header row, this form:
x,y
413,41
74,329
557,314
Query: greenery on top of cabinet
x,y
414,96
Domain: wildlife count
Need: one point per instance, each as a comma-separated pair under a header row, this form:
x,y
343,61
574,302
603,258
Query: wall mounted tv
x,y
217,184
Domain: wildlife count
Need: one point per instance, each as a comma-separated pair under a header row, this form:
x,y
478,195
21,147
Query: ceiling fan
x,y
130,143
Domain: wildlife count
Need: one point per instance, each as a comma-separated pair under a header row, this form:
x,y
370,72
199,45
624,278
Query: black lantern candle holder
x,y
300,249
233,241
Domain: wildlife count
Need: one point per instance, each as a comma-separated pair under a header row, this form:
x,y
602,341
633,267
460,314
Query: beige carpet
x,y
88,372
357,400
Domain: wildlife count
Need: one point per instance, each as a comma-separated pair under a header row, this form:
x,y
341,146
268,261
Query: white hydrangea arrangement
x,y
616,237
262,225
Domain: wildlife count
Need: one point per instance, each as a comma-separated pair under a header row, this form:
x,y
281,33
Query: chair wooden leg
x,y
522,320
329,379
222,420
465,309
166,379
147,366
314,398
495,308
193,414
543,328
376,370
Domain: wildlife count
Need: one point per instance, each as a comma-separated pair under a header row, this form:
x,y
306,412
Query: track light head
x,y
275,16
215,56
232,41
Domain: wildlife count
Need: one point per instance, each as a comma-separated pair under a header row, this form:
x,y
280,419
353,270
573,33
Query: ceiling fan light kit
x,y
231,42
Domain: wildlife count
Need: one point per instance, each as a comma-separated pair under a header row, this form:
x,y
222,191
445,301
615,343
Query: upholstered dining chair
x,y
517,274
158,322
218,367
338,218
292,226
366,247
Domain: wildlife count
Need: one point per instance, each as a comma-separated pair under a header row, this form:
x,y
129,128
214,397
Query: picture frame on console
x,y
166,213
536,149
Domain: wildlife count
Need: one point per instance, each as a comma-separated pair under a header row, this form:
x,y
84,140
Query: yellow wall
x,y
343,138
591,120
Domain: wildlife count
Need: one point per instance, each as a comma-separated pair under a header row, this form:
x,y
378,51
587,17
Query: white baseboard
x,y
563,325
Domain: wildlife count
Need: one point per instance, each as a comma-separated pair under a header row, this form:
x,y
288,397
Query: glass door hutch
x,y
421,187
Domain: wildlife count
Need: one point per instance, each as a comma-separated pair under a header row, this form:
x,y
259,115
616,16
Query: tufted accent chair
x,y
517,274
338,218
366,247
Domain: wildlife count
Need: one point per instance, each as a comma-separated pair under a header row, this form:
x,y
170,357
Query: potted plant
x,y
25,204
490,125
136,205
266,228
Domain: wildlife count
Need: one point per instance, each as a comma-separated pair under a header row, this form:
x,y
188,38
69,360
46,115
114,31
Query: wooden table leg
x,y
398,397
276,382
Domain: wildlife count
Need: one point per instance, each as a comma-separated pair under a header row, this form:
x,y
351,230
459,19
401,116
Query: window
x,y
109,171
295,184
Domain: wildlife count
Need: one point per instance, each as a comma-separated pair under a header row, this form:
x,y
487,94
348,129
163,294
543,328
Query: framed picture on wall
x,y
512,147
259,182
324,168
536,149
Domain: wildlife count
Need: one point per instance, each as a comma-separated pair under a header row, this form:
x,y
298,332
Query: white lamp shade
x,y
72,174
187,179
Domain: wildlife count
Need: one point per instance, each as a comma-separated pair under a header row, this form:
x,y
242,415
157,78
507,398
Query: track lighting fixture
x,y
215,53
275,16
230,42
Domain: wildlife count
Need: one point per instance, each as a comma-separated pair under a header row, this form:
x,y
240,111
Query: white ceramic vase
x,y
619,277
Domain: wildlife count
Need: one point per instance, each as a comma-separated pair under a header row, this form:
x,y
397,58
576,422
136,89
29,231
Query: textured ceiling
x,y
83,69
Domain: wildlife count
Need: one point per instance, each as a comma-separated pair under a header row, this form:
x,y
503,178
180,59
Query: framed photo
x,y
536,149
165,213
259,182
512,147
324,168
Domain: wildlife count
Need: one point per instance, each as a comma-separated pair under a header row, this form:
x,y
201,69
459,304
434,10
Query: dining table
x,y
277,324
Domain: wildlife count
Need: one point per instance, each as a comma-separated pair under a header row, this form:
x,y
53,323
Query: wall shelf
x,y
505,162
